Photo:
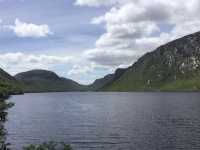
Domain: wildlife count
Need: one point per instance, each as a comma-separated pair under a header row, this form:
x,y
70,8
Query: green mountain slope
x,y
46,81
171,67
100,83
8,85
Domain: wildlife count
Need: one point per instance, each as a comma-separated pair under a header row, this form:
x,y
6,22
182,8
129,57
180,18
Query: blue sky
x,y
70,25
87,39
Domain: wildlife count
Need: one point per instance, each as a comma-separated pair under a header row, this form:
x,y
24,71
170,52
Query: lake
x,y
107,121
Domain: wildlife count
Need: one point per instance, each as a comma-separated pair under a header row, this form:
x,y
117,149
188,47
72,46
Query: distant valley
x,y
174,66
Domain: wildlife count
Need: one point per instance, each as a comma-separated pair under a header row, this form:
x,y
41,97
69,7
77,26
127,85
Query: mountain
x,y
46,81
174,66
8,85
108,79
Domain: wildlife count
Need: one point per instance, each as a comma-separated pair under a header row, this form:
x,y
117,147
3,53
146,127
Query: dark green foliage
x,y
49,146
46,81
8,85
3,114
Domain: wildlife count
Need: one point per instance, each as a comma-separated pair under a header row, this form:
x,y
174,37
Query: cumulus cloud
x,y
23,29
18,62
108,58
80,69
134,27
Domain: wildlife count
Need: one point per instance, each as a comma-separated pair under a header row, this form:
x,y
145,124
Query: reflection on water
x,y
108,121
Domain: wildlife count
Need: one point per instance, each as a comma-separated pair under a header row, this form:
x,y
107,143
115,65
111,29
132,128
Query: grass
x,y
134,83
183,85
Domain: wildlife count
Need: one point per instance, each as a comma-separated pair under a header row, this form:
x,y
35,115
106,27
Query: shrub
x,y
49,146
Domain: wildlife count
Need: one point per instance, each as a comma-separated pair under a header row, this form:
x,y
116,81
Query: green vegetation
x,y
46,81
179,85
49,146
8,85
7,89
174,66
183,85
4,106
100,83
171,67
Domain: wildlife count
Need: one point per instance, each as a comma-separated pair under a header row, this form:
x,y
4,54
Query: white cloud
x,y
95,2
97,20
108,58
18,62
82,69
134,27
23,29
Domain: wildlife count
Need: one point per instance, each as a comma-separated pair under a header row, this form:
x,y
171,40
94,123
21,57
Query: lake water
x,y
107,121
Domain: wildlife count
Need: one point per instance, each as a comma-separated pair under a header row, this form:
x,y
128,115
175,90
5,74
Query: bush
x,y
49,146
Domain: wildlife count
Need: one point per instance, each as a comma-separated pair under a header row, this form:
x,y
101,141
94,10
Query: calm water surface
x,y
107,121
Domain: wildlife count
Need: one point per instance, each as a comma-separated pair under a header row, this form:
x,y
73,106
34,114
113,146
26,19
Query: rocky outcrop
x,y
175,63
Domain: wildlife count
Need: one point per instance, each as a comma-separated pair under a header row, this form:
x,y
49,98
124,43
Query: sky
x,y
86,39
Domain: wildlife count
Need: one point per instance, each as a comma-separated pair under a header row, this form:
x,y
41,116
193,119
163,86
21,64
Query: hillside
x,y
100,83
8,85
171,67
46,81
